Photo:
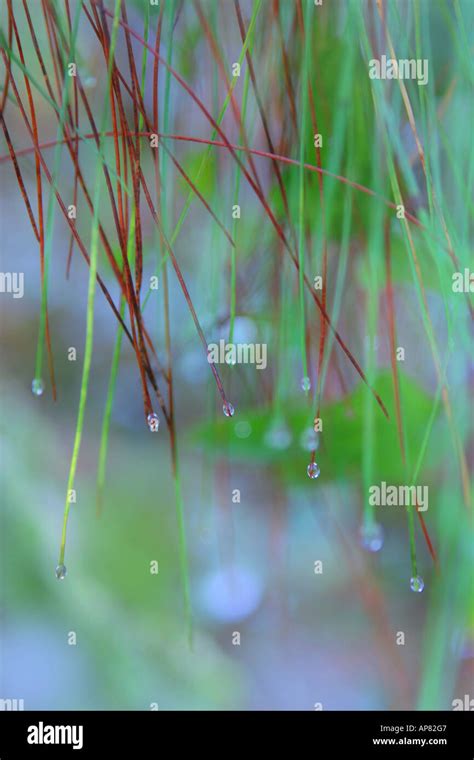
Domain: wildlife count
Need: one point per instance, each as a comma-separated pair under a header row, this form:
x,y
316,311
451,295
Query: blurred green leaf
x,y
341,444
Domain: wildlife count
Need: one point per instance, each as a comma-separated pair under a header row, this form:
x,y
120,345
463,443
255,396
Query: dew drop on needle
x,y
228,409
305,384
61,572
417,584
313,470
37,387
153,422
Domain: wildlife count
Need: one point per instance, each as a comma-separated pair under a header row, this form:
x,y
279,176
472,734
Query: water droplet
x,y
278,436
37,387
305,384
61,572
231,360
313,470
228,409
153,422
309,440
371,536
417,583
231,594
242,429
90,83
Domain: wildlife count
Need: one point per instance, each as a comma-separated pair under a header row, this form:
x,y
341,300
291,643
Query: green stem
x,y
94,251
